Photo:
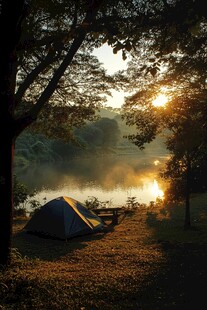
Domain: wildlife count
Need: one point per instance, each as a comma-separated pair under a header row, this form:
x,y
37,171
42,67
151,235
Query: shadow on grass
x,y
168,224
50,249
182,279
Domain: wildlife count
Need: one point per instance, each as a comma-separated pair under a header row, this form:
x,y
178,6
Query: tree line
x,y
98,137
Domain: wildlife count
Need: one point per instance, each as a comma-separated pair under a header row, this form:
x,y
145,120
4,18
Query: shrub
x,y
22,197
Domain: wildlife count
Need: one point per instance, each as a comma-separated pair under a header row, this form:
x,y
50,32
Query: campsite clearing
x,y
146,262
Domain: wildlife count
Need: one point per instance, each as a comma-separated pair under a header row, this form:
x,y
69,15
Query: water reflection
x,y
113,178
157,192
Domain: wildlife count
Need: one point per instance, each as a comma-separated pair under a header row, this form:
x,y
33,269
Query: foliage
x,y
181,32
182,122
111,132
58,50
177,70
34,147
21,193
172,60
23,198
132,203
94,203
103,133
75,100
35,205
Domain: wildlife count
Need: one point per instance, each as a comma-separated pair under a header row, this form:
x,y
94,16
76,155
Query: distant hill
x,y
116,115
106,135
125,146
109,112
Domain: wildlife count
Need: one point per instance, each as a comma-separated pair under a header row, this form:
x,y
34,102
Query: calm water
x,y
109,178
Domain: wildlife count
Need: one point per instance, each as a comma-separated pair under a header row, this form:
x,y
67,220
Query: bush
x,y
22,197
94,203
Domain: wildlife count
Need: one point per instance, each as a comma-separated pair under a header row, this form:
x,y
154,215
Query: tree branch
x,y
23,121
50,57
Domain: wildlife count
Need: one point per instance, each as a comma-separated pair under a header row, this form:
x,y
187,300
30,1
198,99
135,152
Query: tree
x,y
172,59
110,131
40,40
177,31
89,136
182,121
188,151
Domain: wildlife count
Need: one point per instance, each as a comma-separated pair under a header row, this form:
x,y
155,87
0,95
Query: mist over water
x,y
109,178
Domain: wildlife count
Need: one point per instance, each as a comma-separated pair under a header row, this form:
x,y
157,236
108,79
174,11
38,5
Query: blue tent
x,y
64,218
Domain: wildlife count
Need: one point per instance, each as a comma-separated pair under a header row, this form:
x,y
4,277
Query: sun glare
x,y
157,192
160,101
156,162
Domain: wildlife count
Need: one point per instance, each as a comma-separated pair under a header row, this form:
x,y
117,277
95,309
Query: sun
x,y
160,101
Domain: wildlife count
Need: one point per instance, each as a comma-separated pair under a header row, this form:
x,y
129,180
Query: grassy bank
x,y
146,262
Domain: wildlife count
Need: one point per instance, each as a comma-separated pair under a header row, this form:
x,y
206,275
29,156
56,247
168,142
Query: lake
x,y
110,178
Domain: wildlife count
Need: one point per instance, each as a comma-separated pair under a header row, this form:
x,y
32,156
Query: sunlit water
x,y
110,178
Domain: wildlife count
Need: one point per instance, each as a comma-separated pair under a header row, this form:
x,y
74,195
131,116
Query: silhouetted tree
x,y
183,123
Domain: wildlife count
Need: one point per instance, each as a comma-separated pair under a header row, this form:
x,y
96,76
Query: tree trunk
x,y
187,223
10,25
6,205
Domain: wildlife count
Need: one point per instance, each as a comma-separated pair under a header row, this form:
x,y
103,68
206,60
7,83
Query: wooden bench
x,y
109,213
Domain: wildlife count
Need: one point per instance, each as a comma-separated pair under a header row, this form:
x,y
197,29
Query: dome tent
x,y
63,218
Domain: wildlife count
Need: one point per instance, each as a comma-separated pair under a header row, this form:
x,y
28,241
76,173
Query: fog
x,y
111,178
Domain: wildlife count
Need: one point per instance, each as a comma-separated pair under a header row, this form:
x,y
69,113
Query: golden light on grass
x,y
160,101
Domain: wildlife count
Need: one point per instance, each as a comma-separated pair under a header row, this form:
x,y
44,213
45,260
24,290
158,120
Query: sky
x,y
113,63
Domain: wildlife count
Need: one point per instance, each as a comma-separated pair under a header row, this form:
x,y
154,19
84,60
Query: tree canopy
x,y
178,70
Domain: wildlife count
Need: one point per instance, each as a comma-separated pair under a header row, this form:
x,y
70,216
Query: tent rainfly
x,y
64,218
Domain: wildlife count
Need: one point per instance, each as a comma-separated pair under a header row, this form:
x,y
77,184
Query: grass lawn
x,y
147,261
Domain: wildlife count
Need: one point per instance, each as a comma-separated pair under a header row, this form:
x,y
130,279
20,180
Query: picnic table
x,y
109,213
